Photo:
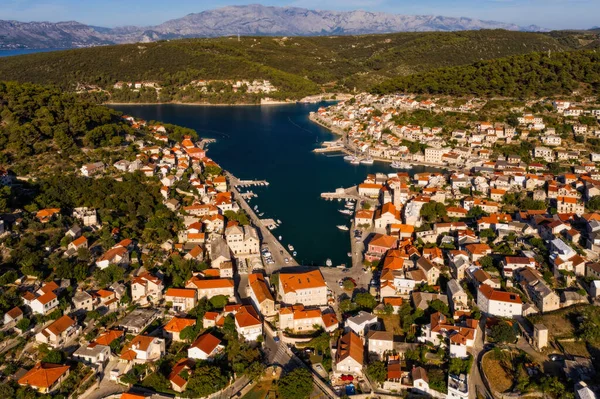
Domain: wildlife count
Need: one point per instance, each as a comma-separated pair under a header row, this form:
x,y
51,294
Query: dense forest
x,y
46,124
297,66
536,74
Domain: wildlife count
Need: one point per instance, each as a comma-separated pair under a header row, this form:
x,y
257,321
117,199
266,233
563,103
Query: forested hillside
x,y
44,127
297,66
538,74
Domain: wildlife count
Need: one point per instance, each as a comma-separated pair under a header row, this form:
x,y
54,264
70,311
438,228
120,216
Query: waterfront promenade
x,y
278,251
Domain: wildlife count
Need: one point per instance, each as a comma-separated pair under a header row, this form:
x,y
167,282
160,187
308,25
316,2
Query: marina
x,y
278,143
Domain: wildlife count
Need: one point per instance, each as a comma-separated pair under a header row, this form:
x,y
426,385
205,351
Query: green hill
x,y
297,66
537,74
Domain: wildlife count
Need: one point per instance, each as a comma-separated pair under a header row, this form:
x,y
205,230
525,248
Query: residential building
x,y
45,377
181,299
349,355
59,332
362,323
248,323
146,289
307,288
498,303
207,346
208,288
173,328
380,343
260,295
142,349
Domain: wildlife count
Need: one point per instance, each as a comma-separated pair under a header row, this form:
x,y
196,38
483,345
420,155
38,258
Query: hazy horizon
x,y
550,14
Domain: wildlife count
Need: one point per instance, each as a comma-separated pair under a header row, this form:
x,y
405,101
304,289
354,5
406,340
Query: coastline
x,y
203,104
347,151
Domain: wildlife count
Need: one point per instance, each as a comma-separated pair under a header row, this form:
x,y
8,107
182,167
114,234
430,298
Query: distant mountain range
x,y
250,20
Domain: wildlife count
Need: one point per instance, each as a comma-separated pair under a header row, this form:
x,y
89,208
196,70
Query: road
x,y
477,387
278,353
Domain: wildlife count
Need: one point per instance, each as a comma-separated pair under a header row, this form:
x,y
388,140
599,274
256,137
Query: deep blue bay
x,y
275,143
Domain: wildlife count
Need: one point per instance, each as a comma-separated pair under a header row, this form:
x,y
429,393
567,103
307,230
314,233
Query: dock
x,y
350,193
248,195
250,183
269,223
205,142
336,148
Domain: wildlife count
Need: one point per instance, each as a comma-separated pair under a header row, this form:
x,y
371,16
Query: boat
x,y
355,161
349,205
294,253
328,263
367,161
261,215
255,207
343,227
278,221
290,247
279,238
349,254
346,211
401,165
348,157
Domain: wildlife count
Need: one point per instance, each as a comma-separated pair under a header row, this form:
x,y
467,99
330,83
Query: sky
x,y
551,14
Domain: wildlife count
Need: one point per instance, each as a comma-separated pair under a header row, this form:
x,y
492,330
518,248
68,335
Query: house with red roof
x,y
248,323
205,347
498,303
59,332
146,288
173,328
180,374
45,377
142,349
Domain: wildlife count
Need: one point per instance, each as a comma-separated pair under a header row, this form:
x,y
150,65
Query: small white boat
x,y
401,165
278,221
290,247
262,214
349,205
348,157
294,253
279,238
343,227
346,211
355,161
367,161
328,263
255,207
349,254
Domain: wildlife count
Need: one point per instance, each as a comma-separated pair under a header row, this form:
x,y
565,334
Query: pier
x,y
336,148
250,183
205,142
350,193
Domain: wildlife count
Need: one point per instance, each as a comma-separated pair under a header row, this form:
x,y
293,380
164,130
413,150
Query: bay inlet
x,y
275,143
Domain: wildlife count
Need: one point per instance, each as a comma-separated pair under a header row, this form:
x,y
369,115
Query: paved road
x,y
278,353
477,387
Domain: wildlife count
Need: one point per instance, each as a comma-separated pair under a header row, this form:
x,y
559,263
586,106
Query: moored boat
x,y
367,161
328,263
343,227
